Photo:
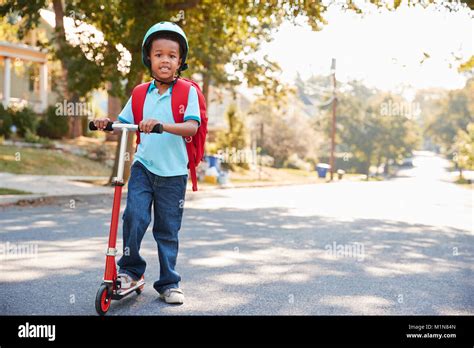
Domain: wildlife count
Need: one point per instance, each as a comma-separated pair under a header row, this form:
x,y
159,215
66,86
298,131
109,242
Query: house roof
x,y
22,51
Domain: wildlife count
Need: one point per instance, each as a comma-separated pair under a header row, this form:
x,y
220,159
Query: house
x,y
24,76
26,69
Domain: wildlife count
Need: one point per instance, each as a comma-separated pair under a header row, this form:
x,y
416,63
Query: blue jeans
x,y
167,195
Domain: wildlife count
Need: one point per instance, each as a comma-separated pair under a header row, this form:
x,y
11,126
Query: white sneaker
x,y
173,295
126,282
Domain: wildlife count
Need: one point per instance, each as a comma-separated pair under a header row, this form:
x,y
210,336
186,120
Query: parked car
x,y
407,162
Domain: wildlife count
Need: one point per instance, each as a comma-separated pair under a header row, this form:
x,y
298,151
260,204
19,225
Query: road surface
x,y
401,247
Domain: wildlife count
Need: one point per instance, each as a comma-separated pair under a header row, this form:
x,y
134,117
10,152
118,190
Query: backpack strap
x,y
179,102
138,102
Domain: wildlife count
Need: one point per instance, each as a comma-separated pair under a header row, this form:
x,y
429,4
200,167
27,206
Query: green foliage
x,y
467,66
372,128
53,126
219,32
235,139
36,139
464,148
24,12
24,119
5,122
453,113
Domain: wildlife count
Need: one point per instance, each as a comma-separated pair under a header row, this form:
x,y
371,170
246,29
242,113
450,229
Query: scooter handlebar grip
x,y
92,126
157,128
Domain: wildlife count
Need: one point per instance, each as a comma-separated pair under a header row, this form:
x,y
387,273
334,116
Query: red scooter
x,y
110,288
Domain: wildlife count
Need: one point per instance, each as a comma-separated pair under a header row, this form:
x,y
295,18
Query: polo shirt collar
x,y
152,87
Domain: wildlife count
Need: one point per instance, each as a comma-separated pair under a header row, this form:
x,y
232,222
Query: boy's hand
x,y
101,123
146,126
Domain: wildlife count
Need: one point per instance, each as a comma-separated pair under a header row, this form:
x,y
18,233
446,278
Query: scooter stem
x,y
110,273
121,163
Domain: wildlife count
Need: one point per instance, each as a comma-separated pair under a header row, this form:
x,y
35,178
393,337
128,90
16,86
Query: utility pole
x,y
333,128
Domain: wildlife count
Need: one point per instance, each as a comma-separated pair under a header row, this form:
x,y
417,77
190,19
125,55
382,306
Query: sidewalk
x,y
50,186
42,186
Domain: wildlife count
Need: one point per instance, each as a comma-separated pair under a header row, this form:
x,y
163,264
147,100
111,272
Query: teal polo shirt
x,y
162,154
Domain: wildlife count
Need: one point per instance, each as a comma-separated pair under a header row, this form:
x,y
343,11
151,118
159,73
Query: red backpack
x,y
179,102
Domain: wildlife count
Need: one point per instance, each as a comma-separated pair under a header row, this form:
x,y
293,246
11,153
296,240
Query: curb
x,y
37,199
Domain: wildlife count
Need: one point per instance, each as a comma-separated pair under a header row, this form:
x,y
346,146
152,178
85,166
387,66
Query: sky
x,y
384,49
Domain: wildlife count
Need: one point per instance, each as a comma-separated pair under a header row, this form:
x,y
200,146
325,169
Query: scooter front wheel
x,y
103,300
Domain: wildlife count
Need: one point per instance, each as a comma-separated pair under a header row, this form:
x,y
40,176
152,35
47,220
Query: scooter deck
x,y
117,295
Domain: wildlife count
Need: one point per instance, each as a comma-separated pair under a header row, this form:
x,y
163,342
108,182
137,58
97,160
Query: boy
x,y
159,170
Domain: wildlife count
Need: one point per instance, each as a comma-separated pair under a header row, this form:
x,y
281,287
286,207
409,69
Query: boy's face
x,y
165,59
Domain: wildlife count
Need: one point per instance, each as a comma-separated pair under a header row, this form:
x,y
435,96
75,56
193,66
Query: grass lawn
x,y
7,191
268,174
465,183
47,162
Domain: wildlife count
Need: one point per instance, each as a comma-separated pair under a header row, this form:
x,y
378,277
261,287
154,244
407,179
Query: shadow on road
x,y
234,261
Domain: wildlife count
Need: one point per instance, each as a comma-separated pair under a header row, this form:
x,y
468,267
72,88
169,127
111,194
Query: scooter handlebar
x,y
158,128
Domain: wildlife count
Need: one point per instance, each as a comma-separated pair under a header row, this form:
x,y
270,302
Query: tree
x,y
399,132
456,111
233,140
368,128
464,149
79,75
281,133
220,33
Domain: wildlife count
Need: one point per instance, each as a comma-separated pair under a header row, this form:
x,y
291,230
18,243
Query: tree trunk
x,y
379,162
60,36
114,106
75,121
367,168
386,168
206,80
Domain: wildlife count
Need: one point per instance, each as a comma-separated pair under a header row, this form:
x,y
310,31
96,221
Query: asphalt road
x,y
403,246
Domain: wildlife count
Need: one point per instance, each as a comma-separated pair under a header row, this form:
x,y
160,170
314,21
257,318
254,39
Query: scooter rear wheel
x,y
103,300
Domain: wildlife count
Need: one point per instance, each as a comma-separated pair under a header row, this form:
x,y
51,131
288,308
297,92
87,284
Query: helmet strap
x,y
169,83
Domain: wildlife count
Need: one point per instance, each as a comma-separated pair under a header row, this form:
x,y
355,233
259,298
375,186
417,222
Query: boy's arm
x,y
185,129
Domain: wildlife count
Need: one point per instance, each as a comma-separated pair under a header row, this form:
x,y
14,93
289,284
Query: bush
x,y
295,162
35,139
53,126
5,122
25,120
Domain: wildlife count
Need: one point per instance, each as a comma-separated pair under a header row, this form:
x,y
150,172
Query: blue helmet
x,y
165,27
